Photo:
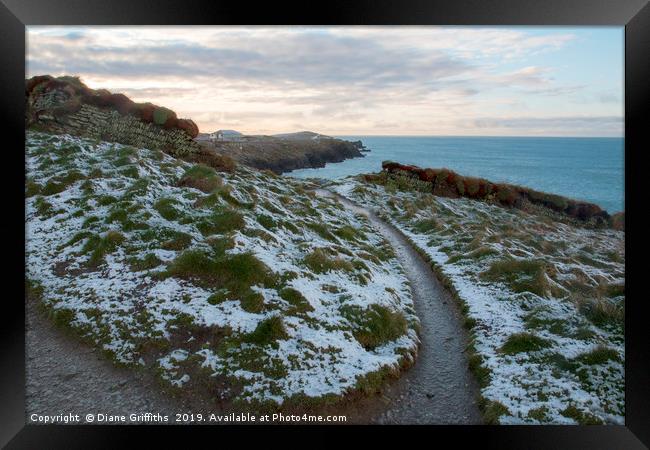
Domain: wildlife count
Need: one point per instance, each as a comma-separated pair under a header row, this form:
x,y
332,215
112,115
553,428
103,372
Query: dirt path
x,y
64,375
438,389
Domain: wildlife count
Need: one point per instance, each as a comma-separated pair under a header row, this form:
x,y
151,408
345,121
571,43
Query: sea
x,y
590,169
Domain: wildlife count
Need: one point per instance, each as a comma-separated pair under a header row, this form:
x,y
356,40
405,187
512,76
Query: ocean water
x,y
590,169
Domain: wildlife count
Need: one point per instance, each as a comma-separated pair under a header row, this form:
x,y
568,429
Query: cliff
x,y
284,153
66,105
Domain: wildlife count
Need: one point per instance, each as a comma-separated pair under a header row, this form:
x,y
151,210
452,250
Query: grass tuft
x,y
201,177
268,331
375,325
320,262
524,342
298,302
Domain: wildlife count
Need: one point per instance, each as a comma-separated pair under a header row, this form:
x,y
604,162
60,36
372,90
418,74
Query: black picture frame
x,y
16,14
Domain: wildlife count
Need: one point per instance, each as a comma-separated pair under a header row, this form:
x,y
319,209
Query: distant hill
x,y
301,135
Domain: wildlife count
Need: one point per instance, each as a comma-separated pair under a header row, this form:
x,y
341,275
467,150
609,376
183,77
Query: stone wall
x,y
66,105
109,125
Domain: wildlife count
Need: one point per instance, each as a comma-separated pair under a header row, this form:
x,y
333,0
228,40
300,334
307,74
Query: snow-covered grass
x,y
243,282
544,301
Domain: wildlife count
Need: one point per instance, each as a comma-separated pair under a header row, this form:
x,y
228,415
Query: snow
x,y
120,308
524,381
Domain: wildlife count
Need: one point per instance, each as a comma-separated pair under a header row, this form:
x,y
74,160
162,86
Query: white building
x,y
226,135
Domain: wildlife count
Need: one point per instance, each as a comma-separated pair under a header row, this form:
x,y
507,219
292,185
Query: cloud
x,y
609,125
377,79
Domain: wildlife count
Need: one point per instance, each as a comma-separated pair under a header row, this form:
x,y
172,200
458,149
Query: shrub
x,y
188,126
163,116
376,325
506,195
268,331
472,186
523,342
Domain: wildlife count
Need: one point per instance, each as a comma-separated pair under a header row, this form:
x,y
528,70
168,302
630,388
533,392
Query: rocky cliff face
x,y
447,183
284,155
66,105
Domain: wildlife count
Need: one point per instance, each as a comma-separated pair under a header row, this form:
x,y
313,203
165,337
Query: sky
x,y
342,80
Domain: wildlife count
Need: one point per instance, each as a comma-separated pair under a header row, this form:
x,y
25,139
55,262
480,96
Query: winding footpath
x,y
439,388
65,375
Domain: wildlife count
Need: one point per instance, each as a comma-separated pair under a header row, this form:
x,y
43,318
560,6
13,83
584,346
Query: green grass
x,y
266,221
221,222
176,240
602,312
104,200
32,188
268,331
59,184
252,301
319,262
492,410
201,177
166,208
583,418
349,233
100,246
234,272
481,373
523,342
538,414
521,275
298,302
426,225
599,355
375,325
149,261
322,230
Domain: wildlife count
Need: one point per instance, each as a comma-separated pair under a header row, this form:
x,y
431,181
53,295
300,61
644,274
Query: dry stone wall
x,y
111,126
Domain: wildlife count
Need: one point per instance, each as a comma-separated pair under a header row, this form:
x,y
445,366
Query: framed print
x,y
358,215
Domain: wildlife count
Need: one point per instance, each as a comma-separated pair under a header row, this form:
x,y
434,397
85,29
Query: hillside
x,y
544,299
237,285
